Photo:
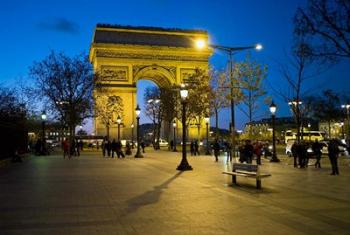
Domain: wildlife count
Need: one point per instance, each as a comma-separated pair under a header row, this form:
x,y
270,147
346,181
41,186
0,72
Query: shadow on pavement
x,y
149,197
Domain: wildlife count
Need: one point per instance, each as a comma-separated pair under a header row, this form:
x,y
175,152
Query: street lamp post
x,y
207,119
200,44
174,139
184,166
138,152
132,135
43,149
273,109
309,126
347,107
119,120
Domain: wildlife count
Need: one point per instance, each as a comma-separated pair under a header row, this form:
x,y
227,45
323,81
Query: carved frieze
x,y
114,73
186,73
153,56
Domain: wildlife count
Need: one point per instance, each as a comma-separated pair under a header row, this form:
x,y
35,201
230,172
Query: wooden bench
x,y
246,170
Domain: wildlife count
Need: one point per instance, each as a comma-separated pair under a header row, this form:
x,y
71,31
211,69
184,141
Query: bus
x,y
307,135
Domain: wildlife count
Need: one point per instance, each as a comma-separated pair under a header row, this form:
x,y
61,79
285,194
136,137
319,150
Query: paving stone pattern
x,y
95,195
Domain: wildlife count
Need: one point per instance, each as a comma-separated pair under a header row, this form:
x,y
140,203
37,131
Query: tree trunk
x,y
216,123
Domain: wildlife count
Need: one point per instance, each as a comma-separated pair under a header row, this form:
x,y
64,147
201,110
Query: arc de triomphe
x,y
124,55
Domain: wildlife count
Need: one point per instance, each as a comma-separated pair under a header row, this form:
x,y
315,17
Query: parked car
x,y
163,143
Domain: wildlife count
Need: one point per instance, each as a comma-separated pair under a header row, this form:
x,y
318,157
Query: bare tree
x,y
154,111
65,85
326,24
300,67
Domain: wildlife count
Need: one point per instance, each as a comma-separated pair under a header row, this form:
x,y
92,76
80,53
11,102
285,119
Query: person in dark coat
x,y
316,149
196,148
128,148
114,148
119,150
216,148
192,148
301,152
248,151
258,152
142,145
333,151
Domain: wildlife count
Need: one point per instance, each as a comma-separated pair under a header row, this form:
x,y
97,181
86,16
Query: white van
x,y
307,135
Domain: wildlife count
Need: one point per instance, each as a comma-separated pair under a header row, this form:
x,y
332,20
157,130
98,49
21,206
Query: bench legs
x,y
234,181
258,183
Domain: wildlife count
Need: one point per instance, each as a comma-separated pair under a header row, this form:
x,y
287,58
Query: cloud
x,y
59,25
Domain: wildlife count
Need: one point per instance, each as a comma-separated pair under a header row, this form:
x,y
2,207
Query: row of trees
x,y
209,93
321,38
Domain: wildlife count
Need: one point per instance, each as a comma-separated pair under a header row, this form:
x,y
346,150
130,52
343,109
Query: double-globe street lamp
x,y
207,120
43,145
119,121
138,152
273,109
201,44
174,140
184,166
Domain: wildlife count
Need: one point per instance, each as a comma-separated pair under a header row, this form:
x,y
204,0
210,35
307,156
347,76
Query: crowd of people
x,y
115,147
71,148
301,153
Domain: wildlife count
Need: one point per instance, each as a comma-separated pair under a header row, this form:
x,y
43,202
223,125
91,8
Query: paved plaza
x,y
95,195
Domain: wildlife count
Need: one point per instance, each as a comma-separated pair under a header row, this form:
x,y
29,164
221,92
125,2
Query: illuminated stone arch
x,y
124,55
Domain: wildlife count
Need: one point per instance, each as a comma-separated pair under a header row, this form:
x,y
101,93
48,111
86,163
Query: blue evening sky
x,y
30,29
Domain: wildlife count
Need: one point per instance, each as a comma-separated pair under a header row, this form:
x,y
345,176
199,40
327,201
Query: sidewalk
x,y
95,195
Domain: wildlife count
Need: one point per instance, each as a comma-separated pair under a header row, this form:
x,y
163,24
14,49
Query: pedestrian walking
x,y
192,148
104,146
316,149
196,148
258,152
248,151
228,152
109,148
128,148
65,147
216,148
119,150
333,152
143,146
114,148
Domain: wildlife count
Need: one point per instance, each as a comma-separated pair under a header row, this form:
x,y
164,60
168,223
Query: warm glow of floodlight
x,y
132,125
200,43
174,123
258,47
206,119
